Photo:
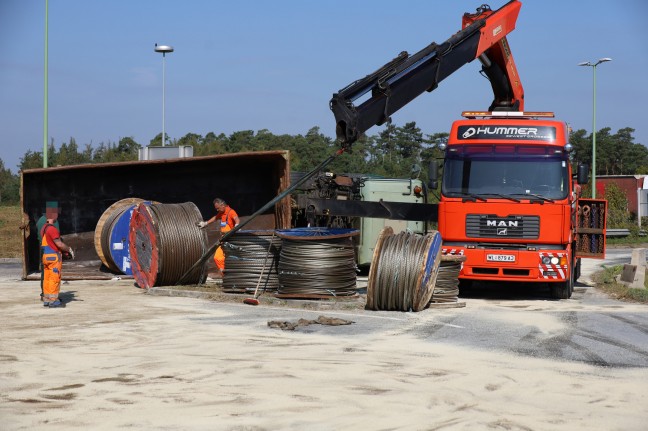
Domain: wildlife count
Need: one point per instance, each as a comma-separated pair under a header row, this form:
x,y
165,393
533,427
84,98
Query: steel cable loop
x,y
322,266
406,269
251,258
181,242
446,288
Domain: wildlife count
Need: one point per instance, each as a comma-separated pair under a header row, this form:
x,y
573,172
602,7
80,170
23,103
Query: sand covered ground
x,y
116,358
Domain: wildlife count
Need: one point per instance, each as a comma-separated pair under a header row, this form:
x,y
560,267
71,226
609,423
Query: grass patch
x,y
10,234
606,282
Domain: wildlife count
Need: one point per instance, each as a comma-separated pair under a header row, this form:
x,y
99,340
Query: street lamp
x,y
164,49
593,66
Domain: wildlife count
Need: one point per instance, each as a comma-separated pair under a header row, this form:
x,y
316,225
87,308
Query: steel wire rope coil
x,y
104,227
165,242
251,258
317,262
404,269
446,288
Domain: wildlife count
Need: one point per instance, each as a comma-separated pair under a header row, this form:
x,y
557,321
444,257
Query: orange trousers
x,y
52,264
219,258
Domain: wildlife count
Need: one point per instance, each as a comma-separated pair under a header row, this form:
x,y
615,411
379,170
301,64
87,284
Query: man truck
x,y
509,200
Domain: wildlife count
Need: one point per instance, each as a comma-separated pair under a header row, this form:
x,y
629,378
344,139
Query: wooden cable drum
x,y
104,231
165,242
251,259
317,263
403,272
446,288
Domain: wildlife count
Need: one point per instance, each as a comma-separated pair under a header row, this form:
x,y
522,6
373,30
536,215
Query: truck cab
x,y
509,202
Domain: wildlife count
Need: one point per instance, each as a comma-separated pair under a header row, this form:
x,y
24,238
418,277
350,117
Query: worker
x,y
51,247
39,227
228,220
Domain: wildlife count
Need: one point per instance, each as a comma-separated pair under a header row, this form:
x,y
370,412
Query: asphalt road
x,y
519,319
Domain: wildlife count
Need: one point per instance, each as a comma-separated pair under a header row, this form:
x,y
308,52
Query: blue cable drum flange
x,y
316,233
105,241
430,272
119,250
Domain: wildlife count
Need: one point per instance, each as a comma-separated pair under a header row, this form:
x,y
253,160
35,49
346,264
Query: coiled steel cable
x,y
167,242
251,259
403,271
317,262
446,288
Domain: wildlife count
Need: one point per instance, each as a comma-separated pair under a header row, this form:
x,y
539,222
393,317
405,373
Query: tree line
x,y
394,152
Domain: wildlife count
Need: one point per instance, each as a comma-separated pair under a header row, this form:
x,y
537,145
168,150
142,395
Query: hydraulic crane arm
x,y
406,77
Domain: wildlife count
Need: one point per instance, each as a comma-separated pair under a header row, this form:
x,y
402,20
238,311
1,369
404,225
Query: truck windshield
x,y
508,170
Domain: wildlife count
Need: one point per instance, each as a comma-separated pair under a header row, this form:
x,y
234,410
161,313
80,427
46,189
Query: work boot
x,y
45,304
56,304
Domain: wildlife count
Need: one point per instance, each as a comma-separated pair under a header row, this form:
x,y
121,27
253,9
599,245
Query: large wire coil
x,y
317,262
251,260
165,242
446,288
404,269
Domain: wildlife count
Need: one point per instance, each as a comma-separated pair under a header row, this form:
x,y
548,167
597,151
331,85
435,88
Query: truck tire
x,y
565,289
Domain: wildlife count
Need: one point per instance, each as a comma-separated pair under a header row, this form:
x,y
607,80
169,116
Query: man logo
x,y
502,231
468,133
502,223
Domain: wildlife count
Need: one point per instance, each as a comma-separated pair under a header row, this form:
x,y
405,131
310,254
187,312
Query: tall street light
x,y
164,49
593,66
45,92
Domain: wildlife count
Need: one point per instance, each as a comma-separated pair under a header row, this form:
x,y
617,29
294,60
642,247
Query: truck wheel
x,y
565,289
560,290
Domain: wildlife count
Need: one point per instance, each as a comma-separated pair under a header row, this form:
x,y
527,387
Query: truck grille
x,y
492,226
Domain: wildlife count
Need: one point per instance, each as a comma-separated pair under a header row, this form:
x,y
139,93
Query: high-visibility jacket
x,y
227,223
52,263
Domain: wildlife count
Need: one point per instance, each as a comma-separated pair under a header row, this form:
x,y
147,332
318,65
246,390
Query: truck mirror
x,y
433,174
582,177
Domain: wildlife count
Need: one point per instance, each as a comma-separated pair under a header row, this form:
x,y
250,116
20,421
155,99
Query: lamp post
x,y
45,102
593,66
164,49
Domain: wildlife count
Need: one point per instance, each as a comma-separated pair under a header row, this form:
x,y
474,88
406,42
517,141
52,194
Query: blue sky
x,y
253,65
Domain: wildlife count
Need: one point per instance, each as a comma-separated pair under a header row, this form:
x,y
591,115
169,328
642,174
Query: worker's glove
x,y
71,253
201,224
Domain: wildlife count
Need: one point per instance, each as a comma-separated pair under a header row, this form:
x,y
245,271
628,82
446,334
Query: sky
x,y
255,64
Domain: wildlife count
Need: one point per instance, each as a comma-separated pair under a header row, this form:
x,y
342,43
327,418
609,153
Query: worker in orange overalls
x,y
228,220
51,247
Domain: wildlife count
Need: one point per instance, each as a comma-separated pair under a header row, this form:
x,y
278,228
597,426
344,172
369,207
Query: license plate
x,y
500,258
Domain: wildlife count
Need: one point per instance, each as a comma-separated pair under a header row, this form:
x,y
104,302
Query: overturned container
x,y
247,181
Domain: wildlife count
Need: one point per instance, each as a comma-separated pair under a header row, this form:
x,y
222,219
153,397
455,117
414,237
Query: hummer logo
x,y
502,223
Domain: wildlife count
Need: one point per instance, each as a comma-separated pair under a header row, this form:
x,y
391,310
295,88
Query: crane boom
x,y
404,78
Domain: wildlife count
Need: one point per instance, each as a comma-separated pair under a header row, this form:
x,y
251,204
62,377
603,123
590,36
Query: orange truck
x,y
510,205
509,200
